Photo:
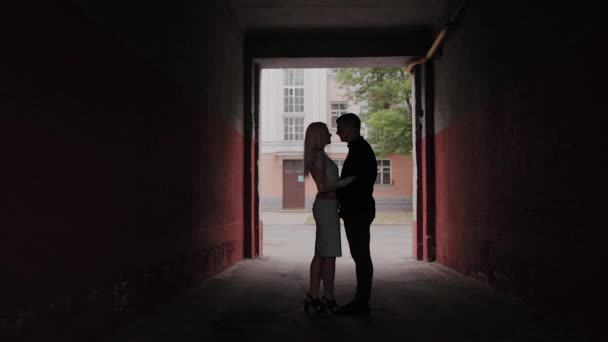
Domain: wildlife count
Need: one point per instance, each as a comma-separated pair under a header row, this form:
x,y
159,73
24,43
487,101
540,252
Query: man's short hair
x,y
350,119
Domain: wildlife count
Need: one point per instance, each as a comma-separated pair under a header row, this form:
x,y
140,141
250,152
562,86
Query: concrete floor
x,y
262,300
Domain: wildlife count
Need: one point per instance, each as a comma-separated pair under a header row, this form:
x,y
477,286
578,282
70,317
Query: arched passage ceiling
x,y
337,33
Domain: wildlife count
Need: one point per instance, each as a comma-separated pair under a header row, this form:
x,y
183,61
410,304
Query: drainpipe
x,y
438,40
423,113
430,54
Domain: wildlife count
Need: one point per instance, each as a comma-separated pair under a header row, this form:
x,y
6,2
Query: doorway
x,y
286,195
293,184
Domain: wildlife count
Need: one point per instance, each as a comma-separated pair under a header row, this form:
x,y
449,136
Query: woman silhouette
x,y
325,212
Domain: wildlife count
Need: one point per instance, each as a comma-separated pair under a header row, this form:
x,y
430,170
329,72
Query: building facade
x,y
291,99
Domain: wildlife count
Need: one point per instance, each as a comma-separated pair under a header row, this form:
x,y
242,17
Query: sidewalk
x,y
287,217
293,217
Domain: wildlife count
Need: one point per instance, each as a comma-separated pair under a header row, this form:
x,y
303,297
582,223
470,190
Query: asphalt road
x,y
388,243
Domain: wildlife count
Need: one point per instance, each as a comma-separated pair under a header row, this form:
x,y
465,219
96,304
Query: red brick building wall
x,y
271,181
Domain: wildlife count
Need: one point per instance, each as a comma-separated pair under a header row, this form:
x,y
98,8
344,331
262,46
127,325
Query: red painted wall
x,y
119,168
517,154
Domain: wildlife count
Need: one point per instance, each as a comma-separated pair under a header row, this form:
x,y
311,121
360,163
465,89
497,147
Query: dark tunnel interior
x,y
130,146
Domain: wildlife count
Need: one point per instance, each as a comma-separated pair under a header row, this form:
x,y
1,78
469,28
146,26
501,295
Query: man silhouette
x,y
357,207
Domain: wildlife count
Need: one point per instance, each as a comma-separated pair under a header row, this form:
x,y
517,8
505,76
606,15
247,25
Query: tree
x,y
389,131
386,94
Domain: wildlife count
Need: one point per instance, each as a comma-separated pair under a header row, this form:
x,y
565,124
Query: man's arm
x,y
365,166
373,166
318,174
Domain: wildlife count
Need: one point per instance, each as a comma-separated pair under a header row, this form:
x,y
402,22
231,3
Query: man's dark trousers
x,y
357,228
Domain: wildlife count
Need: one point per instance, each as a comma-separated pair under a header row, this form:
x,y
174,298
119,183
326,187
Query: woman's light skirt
x,y
327,241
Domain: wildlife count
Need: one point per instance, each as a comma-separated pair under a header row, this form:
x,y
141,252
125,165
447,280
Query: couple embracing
x,y
347,196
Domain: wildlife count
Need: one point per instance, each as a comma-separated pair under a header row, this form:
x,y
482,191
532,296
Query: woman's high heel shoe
x,y
331,305
316,304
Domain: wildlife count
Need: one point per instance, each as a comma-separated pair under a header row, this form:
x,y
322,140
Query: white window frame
x,y
379,170
382,168
337,112
339,164
293,91
293,128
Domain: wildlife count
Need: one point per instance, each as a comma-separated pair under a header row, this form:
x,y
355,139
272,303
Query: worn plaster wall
x,y
121,132
518,101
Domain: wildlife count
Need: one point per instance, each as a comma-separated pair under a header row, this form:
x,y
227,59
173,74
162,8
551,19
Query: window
x,y
337,109
334,71
364,130
293,91
384,172
293,128
293,165
340,163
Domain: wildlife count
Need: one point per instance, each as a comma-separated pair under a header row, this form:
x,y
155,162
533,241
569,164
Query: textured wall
x,y
518,95
122,148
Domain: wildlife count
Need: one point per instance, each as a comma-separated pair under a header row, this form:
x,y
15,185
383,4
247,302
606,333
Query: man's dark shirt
x,y
361,161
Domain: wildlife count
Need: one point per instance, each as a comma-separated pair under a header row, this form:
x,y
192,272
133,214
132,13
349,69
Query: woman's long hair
x,y
313,141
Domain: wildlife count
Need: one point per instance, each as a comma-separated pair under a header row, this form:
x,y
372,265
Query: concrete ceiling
x,y
342,14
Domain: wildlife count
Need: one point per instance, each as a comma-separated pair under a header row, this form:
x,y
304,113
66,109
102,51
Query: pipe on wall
x,y
438,40
430,54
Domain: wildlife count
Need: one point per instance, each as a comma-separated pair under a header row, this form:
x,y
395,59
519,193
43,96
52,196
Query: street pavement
x,y
388,243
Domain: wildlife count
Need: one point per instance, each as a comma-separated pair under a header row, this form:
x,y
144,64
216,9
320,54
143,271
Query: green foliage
x,y
386,94
389,131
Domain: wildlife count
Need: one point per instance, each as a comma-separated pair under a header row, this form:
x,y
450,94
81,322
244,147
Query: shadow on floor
x,y
262,300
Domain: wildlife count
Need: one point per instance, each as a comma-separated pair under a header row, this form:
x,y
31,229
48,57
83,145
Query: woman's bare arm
x,y
318,174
